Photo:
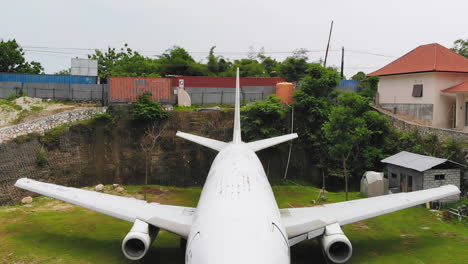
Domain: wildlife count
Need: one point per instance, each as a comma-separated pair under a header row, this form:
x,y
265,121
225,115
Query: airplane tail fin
x,y
236,137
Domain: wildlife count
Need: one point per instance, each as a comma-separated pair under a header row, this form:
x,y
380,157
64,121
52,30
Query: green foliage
x,y
9,102
12,59
63,72
51,138
217,64
460,46
263,119
125,62
177,61
367,85
41,160
146,109
355,133
294,68
429,144
103,117
319,81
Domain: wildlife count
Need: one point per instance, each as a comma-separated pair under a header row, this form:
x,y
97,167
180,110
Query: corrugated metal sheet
x,y
225,82
349,83
127,89
46,78
416,161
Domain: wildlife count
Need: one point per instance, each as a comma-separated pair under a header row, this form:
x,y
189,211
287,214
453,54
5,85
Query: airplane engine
x,y
137,242
336,245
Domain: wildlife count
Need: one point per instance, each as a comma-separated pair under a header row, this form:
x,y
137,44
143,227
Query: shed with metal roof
x,y
409,172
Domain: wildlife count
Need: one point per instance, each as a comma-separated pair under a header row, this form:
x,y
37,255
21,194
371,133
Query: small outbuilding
x,y
374,184
409,172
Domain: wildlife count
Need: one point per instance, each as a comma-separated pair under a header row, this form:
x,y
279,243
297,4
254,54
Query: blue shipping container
x,y
46,78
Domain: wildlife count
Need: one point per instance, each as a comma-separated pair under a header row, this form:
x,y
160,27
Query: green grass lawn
x,y
49,231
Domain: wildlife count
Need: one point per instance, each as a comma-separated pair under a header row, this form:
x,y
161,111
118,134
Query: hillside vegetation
x,y
50,231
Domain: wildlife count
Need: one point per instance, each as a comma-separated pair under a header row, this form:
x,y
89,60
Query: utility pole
x,y
342,62
328,45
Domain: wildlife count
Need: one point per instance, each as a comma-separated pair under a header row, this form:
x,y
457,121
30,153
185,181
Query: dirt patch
x,y
152,190
362,225
28,108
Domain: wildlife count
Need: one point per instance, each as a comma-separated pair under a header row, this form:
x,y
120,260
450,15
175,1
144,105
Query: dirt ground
x,y
28,108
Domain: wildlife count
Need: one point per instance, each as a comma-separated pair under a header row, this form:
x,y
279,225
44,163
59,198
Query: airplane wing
x,y
175,219
309,222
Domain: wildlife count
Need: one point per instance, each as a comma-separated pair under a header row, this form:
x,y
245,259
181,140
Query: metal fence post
x,y
222,93
202,99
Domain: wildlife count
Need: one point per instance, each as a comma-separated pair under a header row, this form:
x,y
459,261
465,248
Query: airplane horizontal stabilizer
x,y
269,142
207,142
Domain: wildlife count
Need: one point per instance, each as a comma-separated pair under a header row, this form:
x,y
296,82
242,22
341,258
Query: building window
x,y
417,90
439,177
394,175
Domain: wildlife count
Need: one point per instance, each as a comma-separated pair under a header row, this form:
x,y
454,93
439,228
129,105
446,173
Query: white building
x,y
427,85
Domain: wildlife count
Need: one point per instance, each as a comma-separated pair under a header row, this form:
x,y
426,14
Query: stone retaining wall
x,y
43,124
404,125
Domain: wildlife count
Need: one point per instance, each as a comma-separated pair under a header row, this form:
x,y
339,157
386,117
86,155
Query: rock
x,y
119,189
27,200
115,185
99,188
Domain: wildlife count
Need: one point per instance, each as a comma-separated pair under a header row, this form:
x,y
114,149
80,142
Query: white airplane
x,y
237,219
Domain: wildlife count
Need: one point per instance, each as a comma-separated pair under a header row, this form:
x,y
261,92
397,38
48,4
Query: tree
x,y
124,62
12,59
262,119
177,61
367,85
312,102
355,134
217,64
294,68
148,143
63,72
461,47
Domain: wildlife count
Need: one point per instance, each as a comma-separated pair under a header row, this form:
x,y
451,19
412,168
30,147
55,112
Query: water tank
x,y
284,90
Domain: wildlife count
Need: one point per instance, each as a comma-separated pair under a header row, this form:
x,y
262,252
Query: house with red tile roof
x,y
428,84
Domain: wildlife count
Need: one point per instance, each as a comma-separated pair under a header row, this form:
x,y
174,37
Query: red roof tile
x,y
426,58
462,87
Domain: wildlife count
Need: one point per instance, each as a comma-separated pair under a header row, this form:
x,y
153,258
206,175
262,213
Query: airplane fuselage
x,y
237,218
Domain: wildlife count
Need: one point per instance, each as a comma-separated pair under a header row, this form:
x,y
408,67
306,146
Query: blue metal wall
x,y
349,83
45,78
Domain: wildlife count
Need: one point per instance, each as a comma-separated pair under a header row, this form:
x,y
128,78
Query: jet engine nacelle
x,y
336,245
137,242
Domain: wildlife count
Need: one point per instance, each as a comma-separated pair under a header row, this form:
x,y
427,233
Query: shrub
x,y
146,109
41,160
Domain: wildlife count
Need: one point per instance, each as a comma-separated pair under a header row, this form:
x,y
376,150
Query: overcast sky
x,y
387,29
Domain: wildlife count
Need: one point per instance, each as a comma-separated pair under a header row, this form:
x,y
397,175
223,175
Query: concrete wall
x,y
57,91
422,112
396,90
452,176
209,95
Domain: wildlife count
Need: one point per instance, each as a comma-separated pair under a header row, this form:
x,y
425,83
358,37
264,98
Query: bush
x,y
146,109
41,160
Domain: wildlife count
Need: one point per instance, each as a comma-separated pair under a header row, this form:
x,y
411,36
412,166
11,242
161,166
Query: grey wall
x,y
209,95
57,91
452,176
421,112
403,172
